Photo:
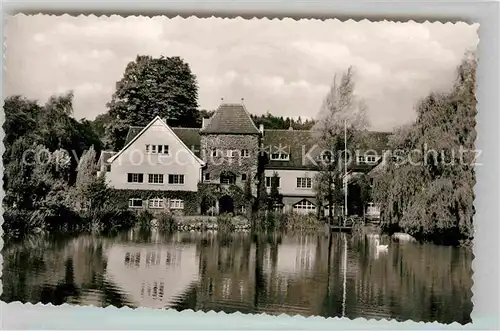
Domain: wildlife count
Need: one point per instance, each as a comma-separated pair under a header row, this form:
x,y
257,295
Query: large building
x,y
204,170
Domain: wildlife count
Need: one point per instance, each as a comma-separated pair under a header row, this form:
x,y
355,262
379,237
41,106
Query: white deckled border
x,y
486,247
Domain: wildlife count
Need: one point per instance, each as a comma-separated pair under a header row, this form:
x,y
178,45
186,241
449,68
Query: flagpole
x,y
345,171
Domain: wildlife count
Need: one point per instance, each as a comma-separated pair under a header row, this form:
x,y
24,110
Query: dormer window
x,y
280,157
245,153
232,153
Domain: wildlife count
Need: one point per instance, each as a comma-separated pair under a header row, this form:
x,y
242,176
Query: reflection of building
x,y
296,257
152,275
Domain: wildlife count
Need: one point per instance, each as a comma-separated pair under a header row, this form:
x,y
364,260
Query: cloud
x,y
284,66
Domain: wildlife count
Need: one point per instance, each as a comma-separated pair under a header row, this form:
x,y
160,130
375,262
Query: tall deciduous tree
x,y
342,119
427,189
150,87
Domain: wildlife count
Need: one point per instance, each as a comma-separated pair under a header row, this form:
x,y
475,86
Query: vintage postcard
x,y
299,167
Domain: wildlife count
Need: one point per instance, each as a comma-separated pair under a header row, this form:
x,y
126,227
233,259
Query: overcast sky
x,y
284,67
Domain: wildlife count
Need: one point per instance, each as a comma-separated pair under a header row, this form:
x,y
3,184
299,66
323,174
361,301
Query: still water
x,y
336,275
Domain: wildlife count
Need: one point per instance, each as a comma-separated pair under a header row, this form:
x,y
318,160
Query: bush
x,y
298,222
225,223
108,218
144,219
166,222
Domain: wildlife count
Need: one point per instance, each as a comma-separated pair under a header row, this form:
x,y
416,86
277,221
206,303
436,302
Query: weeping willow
x,y
427,187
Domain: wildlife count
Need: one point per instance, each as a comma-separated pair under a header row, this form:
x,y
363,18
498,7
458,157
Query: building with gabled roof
x,y
216,160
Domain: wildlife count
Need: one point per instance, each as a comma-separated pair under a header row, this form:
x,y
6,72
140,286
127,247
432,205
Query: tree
x,y
87,174
365,191
151,87
342,119
430,193
247,191
275,199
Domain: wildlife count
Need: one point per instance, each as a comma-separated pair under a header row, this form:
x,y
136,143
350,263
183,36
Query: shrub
x,y
166,222
300,222
225,223
144,219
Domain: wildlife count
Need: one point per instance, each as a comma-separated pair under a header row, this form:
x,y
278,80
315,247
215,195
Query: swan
x,y
380,247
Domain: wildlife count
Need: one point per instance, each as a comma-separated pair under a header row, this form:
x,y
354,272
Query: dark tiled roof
x,y
104,157
301,143
132,132
290,141
231,118
189,136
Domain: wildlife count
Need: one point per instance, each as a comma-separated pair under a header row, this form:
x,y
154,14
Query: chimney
x,y
261,129
204,122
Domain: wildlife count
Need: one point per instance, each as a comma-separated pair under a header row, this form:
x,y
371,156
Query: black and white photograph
x,y
300,167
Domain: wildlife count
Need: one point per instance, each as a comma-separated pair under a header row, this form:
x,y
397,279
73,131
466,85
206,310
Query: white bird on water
x,y
380,247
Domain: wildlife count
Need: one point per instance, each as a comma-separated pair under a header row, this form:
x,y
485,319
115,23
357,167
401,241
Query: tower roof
x,y
231,118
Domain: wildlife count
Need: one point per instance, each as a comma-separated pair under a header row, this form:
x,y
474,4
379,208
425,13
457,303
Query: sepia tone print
x,y
318,168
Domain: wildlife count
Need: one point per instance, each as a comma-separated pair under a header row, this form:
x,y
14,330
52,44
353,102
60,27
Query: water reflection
x,y
336,275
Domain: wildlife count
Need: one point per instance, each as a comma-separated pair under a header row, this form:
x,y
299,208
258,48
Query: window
x,y
304,205
207,176
280,157
227,179
135,178
155,203
155,178
370,158
361,159
245,153
215,153
304,182
157,149
243,176
269,181
232,153
134,203
108,167
176,179
176,204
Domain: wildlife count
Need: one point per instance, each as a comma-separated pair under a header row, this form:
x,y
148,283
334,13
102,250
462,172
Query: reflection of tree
x,y
251,274
58,271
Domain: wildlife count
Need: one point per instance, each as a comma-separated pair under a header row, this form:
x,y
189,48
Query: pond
x,y
326,275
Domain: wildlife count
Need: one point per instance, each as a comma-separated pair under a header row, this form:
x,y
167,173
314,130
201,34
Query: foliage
x,y
151,87
275,199
427,190
248,196
43,148
225,223
144,219
365,191
342,120
272,122
166,222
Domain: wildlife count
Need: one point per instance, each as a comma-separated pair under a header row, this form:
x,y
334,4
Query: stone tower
x,y
230,144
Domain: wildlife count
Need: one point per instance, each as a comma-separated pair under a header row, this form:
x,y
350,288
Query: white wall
x,y
135,160
288,181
